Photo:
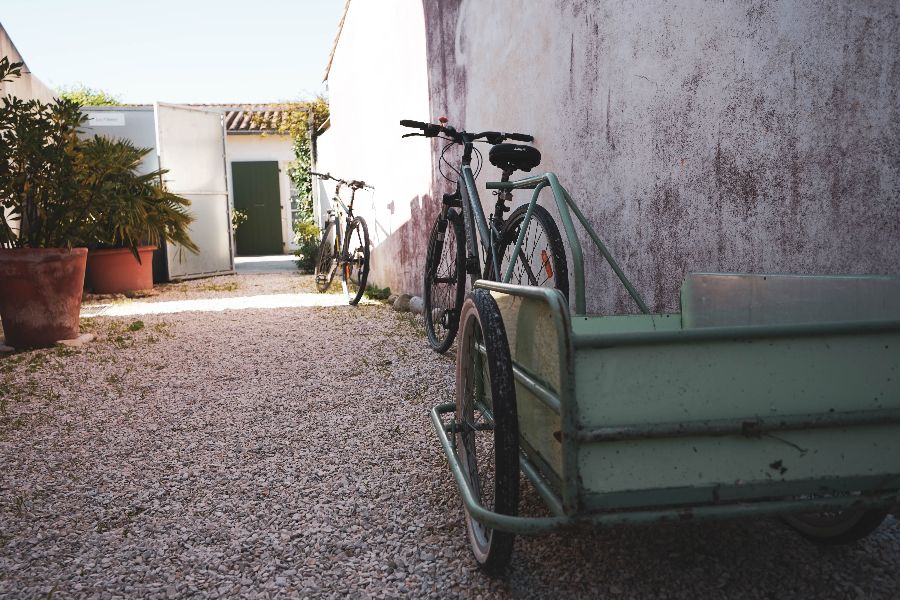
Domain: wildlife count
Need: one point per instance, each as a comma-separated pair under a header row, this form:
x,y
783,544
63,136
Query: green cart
x,y
766,395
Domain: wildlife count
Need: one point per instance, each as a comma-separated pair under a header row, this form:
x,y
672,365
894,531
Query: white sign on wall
x,y
106,119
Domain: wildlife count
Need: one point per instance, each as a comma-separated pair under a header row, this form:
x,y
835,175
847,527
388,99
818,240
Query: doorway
x,y
257,194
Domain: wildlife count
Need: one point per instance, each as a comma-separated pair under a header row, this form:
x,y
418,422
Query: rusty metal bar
x,y
745,427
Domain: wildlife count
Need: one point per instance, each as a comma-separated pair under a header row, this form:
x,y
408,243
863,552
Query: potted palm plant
x,y
131,214
42,213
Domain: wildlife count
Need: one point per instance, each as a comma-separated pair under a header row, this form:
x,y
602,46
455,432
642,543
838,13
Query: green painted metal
x,y
538,331
523,229
733,407
751,428
666,415
256,193
539,525
564,203
470,194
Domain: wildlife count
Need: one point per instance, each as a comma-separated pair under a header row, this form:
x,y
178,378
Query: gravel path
x,y
286,451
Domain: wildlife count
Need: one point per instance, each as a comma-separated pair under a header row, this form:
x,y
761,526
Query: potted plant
x,y
131,214
42,213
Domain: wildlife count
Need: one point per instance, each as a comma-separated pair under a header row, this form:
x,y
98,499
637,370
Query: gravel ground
x,y
287,452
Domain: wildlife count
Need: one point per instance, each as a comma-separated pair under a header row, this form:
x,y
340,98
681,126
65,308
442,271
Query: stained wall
x,y
754,136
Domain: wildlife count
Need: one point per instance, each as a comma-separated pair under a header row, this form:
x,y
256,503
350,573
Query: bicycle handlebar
x,y
462,137
355,183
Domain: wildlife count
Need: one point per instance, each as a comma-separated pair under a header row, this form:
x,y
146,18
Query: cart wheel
x,y
840,527
487,434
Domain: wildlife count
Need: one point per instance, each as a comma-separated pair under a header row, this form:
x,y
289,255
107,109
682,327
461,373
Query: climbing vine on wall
x,y
294,121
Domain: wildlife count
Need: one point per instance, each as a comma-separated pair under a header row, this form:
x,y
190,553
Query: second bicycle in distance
x,y
345,243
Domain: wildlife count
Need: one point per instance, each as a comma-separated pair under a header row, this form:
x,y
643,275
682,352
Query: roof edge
x,y
337,37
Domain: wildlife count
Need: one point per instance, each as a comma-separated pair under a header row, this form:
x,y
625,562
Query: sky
x,y
188,51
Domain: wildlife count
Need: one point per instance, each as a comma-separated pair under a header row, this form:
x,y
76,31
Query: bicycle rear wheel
x,y
356,269
542,258
445,280
487,427
326,263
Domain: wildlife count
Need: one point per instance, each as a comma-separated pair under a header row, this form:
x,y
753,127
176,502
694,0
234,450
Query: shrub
x,y
307,236
376,293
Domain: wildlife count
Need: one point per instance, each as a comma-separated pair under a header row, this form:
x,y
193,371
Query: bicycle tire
x,y
356,269
325,261
486,382
543,247
444,264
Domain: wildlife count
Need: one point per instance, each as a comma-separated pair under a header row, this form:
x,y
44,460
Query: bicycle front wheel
x,y
542,258
356,268
445,280
326,263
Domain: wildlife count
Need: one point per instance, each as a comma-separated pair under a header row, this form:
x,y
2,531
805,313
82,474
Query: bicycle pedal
x,y
472,266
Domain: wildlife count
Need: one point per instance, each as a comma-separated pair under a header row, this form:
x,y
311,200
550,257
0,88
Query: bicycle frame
x,y
343,240
476,223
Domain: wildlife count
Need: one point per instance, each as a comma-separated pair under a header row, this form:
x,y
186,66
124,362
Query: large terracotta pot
x,y
40,294
116,271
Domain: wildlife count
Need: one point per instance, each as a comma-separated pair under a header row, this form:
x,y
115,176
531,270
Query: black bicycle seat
x,y
510,157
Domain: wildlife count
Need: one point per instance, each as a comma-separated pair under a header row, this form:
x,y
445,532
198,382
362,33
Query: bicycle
x,y
529,232
351,256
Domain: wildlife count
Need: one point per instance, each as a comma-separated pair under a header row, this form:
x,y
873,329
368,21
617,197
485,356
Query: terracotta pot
x,y
116,271
40,294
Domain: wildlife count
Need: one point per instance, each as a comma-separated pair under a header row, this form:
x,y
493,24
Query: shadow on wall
x,y
398,261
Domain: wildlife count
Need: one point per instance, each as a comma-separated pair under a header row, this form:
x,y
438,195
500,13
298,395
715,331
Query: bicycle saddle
x,y
510,157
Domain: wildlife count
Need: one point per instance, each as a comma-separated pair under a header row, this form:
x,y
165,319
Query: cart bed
x,y
627,412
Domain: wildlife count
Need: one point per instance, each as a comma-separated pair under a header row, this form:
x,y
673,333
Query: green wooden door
x,y
256,193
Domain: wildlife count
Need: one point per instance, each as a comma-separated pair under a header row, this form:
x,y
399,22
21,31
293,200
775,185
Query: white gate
x,y
191,145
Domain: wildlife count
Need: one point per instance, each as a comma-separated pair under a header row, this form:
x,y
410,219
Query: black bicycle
x,y
345,248
529,231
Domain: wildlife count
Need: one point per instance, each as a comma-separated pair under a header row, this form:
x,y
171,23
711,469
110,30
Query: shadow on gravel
x,y
760,558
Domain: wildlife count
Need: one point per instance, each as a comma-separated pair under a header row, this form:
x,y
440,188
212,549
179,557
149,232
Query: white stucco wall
x,y
364,139
27,86
252,147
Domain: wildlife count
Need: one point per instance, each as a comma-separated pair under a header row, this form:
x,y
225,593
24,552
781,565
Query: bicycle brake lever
x,y
412,135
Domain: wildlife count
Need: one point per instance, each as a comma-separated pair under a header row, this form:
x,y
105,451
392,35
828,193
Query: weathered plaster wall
x,y
759,136
697,136
378,76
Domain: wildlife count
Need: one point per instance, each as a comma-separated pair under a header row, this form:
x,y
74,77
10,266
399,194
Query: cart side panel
x,y
688,384
700,380
697,470
534,345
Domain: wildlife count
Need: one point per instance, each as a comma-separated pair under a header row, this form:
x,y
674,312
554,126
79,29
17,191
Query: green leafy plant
x,y
296,119
41,203
376,293
238,218
307,236
127,208
59,191
85,96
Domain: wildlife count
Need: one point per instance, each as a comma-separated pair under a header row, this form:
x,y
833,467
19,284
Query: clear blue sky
x,y
178,50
